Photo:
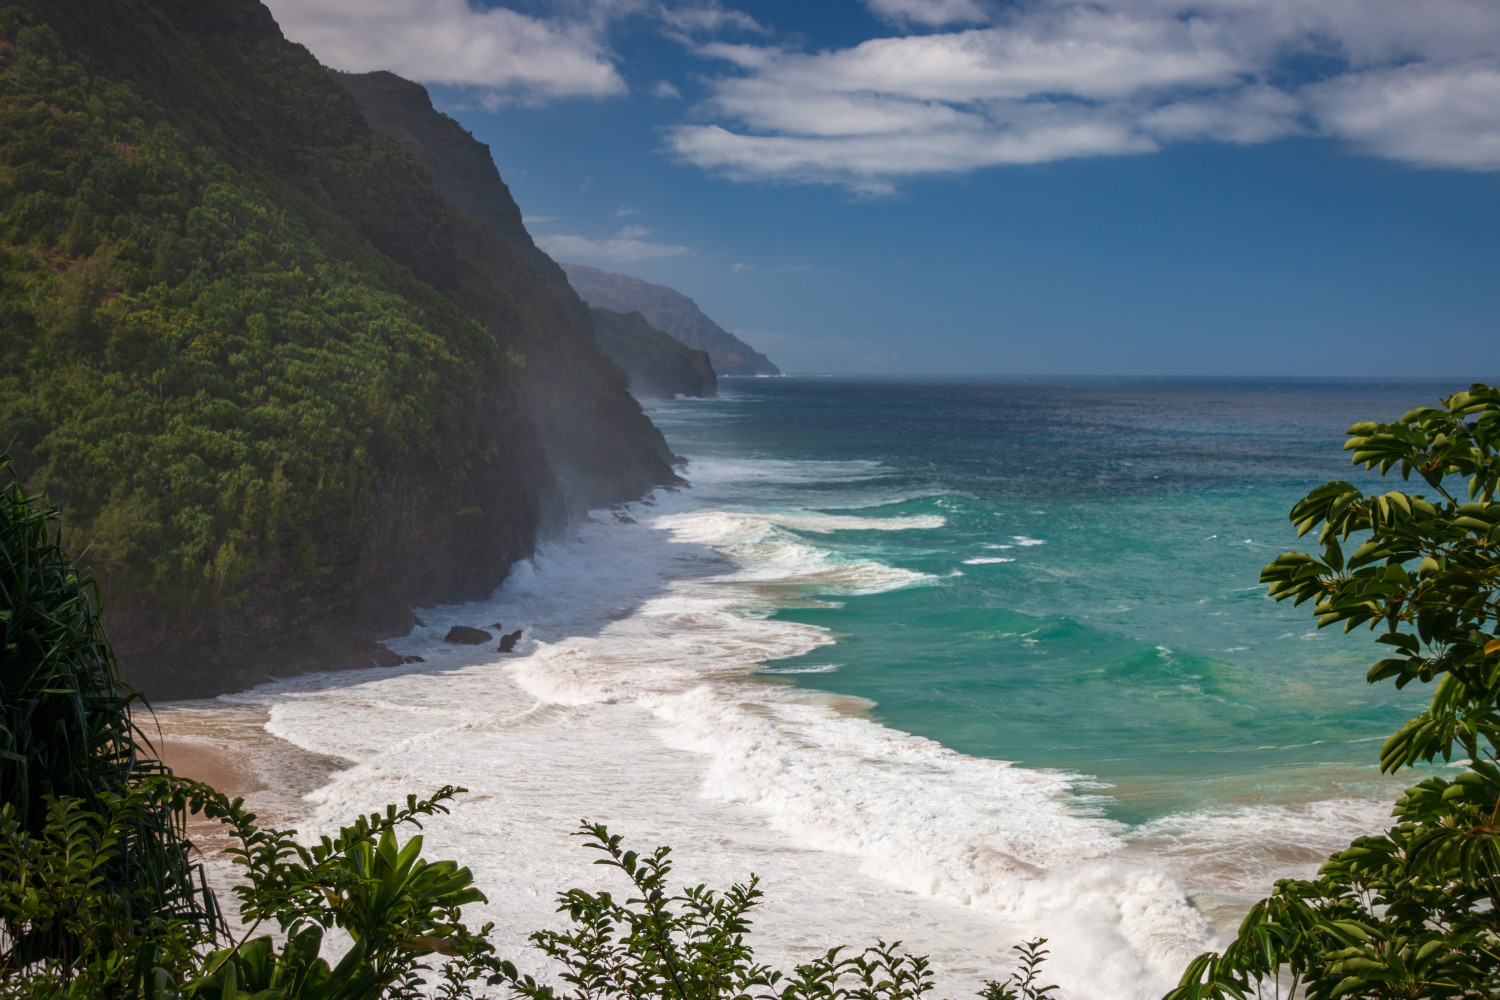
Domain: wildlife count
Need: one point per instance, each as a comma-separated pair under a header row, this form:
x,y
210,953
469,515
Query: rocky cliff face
x,y
522,295
257,154
462,167
672,312
657,365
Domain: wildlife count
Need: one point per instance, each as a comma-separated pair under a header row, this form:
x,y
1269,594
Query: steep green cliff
x,y
464,172
671,311
281,386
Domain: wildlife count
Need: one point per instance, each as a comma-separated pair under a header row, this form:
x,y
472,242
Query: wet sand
x,y
226,745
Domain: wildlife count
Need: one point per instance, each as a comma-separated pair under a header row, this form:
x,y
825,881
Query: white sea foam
x,y
986,560
631,701
1228,858
1023,541
824,523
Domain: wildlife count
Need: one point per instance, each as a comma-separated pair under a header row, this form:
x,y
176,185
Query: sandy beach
x,y
226,745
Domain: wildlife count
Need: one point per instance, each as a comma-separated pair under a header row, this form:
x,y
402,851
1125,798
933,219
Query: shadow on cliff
x,y
577,587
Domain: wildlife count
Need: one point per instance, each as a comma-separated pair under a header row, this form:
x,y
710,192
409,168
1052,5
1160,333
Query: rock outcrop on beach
x,y
671,311
657,365
285,377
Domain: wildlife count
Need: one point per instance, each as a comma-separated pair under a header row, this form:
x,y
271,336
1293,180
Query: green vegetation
x,y
66,736
1414,912
204,358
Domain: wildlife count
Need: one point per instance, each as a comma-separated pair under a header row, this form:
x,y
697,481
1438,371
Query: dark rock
x,y
658,366
413,659
418,622
508,641
672,312
386,658
463,635
496,626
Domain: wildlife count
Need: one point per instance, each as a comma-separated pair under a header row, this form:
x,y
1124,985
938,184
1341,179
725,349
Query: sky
x,y
1113,187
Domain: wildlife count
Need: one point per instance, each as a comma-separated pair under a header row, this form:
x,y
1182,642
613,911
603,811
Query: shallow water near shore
x,y
951,661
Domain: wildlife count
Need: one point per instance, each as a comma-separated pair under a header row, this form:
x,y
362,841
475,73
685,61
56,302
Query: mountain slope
x,y
657,365
465,173
282,388
462,167
673,312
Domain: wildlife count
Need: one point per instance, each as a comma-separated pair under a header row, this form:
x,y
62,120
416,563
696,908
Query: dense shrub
x,y
206,365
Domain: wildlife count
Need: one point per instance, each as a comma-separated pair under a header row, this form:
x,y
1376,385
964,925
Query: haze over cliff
x,y
465,172
283,385
669,310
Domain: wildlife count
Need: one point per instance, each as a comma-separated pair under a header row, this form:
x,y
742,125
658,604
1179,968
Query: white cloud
x,y
933,12
624,247
869,164
1245,115
1427,116
664,88
1412,80
708,18
504,54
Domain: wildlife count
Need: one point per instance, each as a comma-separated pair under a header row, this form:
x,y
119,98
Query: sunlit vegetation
x,y
205,365
1411,912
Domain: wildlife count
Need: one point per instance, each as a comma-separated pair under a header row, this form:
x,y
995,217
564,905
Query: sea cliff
x,y
465,173
284,385
669,310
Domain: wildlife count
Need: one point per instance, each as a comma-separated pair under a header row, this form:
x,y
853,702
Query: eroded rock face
x,y
465,635
672,312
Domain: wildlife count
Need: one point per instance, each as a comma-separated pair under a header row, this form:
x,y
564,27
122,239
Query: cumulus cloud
x,y
1423,115
504,54
625,247
1038,80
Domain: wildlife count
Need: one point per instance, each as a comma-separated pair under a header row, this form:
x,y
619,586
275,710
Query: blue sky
x,y
1237,187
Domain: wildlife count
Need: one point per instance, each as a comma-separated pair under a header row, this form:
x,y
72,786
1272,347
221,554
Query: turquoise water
x,y
1094,548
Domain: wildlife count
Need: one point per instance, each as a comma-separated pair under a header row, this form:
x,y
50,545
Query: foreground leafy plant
x,y
1414,912
398,909
67,736
690,944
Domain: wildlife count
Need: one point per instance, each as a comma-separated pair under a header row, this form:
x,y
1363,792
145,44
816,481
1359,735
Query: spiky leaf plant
x,y
66,730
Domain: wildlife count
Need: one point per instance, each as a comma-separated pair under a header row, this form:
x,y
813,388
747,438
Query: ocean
x,y
957,662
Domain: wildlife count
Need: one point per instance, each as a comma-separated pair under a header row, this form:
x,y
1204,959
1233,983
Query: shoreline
x,y
226,744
